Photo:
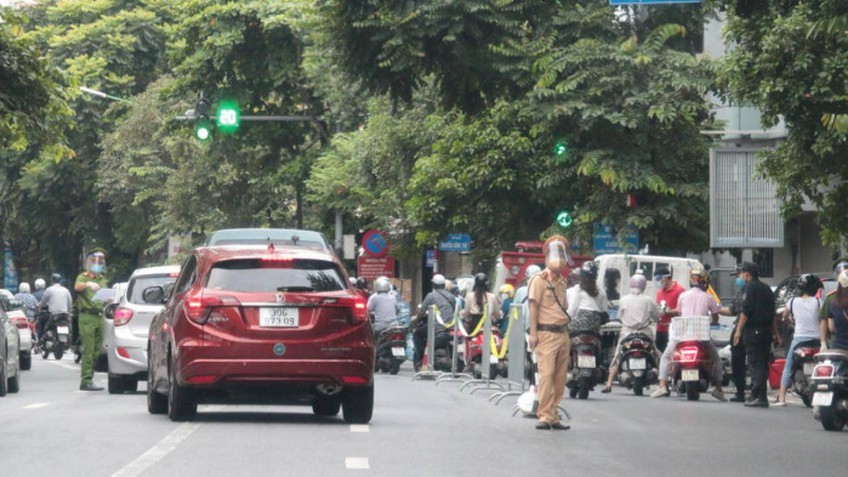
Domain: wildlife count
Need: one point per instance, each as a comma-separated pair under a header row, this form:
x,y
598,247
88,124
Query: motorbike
x,y
473,355
830,382
690,368
391,349
585,368
637,368
802,370
56,337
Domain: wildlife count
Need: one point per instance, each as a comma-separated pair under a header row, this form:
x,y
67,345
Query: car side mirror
x,y
109,311
153,295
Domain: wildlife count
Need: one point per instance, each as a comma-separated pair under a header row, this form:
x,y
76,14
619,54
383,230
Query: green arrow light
x,y
561,148
564,219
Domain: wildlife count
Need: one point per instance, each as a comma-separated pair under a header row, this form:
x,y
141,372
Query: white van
x,y
615,270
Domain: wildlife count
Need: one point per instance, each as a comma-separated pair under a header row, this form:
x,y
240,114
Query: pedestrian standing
x,y
757,329
668,293
549,336
88,283
737,350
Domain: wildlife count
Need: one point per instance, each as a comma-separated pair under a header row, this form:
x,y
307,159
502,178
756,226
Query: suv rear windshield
x,y
138,284
256,275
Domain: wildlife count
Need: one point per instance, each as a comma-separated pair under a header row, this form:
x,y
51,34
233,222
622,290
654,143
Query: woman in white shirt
x,y
804,311
587,305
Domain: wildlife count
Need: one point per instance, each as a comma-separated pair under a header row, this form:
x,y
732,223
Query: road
x,y
50,428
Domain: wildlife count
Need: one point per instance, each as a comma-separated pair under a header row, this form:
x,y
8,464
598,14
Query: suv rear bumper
x,y
210,373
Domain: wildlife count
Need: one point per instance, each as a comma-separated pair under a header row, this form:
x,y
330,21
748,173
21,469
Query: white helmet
x,y
23,287
438,280
532,271
352,281
382,285
40,284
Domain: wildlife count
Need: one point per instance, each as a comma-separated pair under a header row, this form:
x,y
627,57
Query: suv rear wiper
x,y
295,289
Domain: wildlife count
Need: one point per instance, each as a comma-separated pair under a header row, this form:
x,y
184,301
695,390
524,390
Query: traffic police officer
x,y
90,321
549,333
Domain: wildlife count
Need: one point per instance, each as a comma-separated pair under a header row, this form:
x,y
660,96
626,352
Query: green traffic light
x,y
229,117
564,219
561,148
203,132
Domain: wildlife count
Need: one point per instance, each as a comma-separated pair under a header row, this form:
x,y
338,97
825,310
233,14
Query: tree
x,y
789,73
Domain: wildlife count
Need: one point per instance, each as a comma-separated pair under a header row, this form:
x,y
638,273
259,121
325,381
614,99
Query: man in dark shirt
x,y
756,328
445,303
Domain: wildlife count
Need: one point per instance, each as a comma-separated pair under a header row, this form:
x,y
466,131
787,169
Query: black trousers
x,y
737,364
661,340
757,347
419,339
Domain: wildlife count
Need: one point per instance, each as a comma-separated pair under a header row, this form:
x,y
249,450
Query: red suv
x,y
248,324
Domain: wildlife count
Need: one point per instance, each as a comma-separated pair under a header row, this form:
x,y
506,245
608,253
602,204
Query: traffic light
x,y
561,148
229,116
564,219
202,127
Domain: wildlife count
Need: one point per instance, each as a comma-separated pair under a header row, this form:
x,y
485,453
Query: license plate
x,y
637,363
279,317
585,361
808,368
398,352
690,375
62,329
822,399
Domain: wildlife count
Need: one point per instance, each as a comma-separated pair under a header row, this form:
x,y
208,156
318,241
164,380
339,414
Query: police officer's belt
x,y
552,328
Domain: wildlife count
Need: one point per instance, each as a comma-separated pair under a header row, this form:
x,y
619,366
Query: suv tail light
x,y
198,307
357,306
122,316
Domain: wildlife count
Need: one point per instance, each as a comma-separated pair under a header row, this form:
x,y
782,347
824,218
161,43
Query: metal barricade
x,y
516,354
486,381
455,375
431,372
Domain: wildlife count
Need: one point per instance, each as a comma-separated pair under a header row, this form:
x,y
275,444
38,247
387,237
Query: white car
x,y
10,371
127,333
15,311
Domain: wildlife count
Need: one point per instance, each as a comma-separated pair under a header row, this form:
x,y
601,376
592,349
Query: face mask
x,y
97,268
740,282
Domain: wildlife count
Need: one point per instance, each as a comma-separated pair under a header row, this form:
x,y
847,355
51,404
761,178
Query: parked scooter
x,y
638,368
690,368
802,370
391,349
56,336
830,380
586,368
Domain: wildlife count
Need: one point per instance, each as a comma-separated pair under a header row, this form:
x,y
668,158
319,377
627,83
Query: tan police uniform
x,y
553,346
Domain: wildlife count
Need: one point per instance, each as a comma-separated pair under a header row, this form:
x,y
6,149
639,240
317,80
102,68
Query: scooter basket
x,y
684,328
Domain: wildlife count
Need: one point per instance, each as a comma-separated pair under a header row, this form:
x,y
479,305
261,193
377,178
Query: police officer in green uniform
x,y
90,321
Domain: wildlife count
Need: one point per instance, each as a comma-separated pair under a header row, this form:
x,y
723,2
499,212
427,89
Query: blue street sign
x,y
604,240
375,244
456,243
650,2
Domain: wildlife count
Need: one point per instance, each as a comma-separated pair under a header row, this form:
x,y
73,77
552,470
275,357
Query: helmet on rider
x,y
809,284
361,283
589,270
531,271
23,287
382,285
507,291
352,281
638,282
40,284
840,265
55,278
698,278
481,282
439,281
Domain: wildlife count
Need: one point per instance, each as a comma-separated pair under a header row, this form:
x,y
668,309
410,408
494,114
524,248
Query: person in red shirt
x,y
667,296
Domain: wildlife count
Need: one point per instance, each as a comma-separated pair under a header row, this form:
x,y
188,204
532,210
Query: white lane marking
x,y
159,451
359,428
64,365
37,405
357,463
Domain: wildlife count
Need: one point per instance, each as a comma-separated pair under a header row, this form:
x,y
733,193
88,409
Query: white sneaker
x,y
661,391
